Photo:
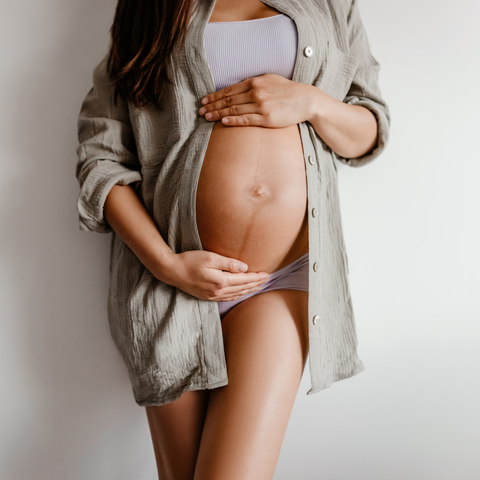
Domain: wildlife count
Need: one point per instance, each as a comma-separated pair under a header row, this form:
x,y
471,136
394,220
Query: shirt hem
x,y
173,398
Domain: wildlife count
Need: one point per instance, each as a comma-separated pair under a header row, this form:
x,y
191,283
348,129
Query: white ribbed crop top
x,y
244,49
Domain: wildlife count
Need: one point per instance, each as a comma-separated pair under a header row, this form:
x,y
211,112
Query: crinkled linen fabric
x,y
172,342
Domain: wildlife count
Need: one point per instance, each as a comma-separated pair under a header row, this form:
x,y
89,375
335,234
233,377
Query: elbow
x,y
366,151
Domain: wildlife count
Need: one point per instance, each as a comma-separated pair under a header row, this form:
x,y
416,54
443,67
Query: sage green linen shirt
x,y
171,341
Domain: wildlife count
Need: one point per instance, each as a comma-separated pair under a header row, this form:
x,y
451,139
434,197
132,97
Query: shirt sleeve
x,y
106,152
364,90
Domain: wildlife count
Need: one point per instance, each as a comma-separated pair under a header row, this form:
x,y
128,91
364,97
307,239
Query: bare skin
x,y
246,420
251,178
236,431
176,430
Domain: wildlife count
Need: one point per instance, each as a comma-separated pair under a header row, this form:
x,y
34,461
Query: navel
x,y
260,191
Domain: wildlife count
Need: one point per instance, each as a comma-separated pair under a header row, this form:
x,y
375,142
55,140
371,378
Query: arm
x,y
126,214
356,129
106,151
349,130
107,170
196,272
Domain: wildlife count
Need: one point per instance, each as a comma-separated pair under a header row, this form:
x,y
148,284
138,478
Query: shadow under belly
x,y
251,201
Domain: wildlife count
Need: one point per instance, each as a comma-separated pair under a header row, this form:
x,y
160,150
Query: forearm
x,y
349,130
129,218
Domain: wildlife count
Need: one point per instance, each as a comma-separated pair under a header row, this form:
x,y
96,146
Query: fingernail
x,y
242,267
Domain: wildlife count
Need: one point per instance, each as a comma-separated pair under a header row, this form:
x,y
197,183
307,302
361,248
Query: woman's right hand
x,y
209,276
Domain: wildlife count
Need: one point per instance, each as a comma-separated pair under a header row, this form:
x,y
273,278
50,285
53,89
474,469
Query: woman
x,y
207,148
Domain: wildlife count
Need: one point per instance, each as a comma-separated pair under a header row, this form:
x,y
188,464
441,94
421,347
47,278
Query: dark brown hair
x,y
143,35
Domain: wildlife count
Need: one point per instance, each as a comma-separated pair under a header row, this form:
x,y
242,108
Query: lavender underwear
x,y
292,277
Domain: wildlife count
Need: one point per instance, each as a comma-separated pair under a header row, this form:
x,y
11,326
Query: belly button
x,y
260,191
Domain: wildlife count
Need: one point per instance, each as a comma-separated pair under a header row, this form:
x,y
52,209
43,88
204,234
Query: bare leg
x,y
266,346
176,429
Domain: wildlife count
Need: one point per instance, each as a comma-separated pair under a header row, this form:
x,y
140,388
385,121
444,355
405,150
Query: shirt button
x,y
315,319
316,266
308,51
311,160
314,212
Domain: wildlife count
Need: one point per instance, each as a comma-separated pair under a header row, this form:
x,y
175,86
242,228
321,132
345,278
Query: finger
x,y
250,111
245,120
232,265
230,298
227,102
242,279
239,289
234,89
220,262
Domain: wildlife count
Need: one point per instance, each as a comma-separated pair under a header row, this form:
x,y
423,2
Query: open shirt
x,y
171,341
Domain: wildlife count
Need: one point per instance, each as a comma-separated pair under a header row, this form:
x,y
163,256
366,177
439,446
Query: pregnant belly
x,y
251,201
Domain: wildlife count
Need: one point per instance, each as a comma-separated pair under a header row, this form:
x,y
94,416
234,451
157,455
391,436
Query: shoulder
x,y
339,9
337,14
100,72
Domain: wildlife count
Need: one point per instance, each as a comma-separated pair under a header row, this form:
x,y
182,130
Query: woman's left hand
x,y
268,100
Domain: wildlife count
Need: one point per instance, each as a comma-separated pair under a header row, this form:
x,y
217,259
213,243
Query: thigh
x,y
176,429
266,346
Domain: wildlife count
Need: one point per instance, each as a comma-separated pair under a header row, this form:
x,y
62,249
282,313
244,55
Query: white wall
x,y
412,233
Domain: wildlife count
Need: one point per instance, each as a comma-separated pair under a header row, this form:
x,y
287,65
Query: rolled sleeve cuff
x,y
383,125
94,191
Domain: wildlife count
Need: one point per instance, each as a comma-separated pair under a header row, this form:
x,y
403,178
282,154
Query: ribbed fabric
x,y
239,50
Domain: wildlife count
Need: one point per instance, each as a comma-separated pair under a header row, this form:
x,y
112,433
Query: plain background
x,y
411,222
